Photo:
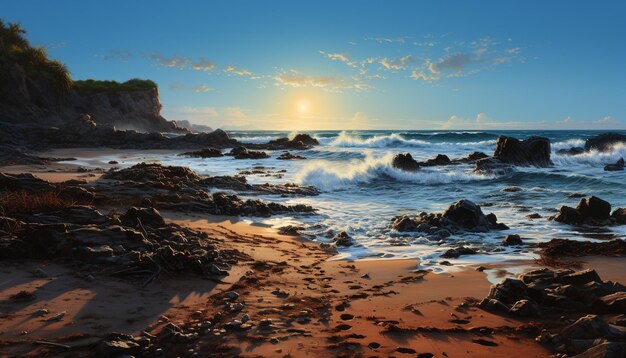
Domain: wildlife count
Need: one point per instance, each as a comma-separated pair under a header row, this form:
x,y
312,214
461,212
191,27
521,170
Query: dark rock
x,y
298,142
343,239
524,308
476,156
619,215
594,207
405,162
243,153
604,142
532,151
467,215
509,291
289,156
461,216
493,305
566,247
492,165
581,277
571,151
512,240
590,211
204,153
306,139
457,252
138,217
615,302
619,165
440,159
605,350
404,224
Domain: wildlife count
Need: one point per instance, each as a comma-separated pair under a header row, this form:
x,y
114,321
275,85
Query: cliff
x,y
27,99
37,90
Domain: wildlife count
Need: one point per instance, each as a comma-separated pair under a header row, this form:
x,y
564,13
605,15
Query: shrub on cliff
x,y
15,49
90,86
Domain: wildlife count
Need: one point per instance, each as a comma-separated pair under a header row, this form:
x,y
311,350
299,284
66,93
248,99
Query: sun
x,y
303,106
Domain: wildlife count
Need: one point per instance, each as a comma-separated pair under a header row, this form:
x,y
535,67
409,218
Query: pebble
x,y
232,295
245,318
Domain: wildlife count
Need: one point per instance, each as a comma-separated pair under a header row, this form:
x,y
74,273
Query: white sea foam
x,y
331,176
567,144
344,140
592,158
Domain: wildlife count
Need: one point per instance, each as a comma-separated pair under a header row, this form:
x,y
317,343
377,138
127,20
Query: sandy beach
x,y
304,300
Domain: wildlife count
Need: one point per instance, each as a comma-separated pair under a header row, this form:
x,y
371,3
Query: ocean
x,y
361,192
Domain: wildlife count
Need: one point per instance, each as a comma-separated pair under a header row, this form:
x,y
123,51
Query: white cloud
x,y
200,88
231,70
180,62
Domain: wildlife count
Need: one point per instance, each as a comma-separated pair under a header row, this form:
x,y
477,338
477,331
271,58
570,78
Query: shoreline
x,y
285,295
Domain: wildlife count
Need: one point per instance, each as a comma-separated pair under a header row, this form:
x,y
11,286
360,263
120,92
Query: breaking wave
x,y
329,176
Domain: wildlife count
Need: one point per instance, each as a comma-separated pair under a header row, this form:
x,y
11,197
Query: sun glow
x,y
303,106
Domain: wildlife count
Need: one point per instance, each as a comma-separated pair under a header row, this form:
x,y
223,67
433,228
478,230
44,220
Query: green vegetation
x,y
14,48
89,87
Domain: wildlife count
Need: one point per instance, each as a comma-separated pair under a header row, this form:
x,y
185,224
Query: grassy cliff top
x,y
90,87
15,49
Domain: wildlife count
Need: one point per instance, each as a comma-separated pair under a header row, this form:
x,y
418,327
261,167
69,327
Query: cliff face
x,y
27,100
138,110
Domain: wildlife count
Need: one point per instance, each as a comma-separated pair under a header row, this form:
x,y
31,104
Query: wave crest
x,y
344,140
329,176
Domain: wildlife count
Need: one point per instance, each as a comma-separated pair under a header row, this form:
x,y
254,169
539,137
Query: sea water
x,y
361,192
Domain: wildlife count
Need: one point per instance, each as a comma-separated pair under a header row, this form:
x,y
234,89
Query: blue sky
x,y
352,65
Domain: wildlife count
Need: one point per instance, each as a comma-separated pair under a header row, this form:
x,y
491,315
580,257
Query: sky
x,y
320,64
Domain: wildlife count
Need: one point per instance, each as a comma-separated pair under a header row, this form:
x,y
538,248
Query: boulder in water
x,y
590,211
532,151
242,152
619,165
405,162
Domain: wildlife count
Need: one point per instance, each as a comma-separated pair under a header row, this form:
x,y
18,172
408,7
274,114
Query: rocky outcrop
x,y
27,99
462,216
604,142
84,132
532,151
590,211
242,152
298,142
557,248
289,156
405,162
545,292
